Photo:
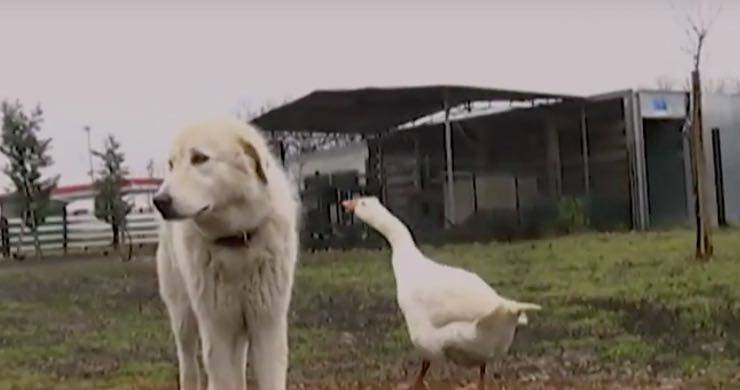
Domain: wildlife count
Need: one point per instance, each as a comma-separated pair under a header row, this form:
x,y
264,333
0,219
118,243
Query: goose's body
x,y
450,313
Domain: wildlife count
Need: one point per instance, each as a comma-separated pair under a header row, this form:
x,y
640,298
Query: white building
x,y
352,157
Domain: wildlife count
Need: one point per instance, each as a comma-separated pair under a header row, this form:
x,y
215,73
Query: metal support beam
x,y
450,171
417,163
719,180
584,150
640,163
629,126
554,166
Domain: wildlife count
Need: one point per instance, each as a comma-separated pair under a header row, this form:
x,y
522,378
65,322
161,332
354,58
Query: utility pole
x,y
150,168
150,172
89,155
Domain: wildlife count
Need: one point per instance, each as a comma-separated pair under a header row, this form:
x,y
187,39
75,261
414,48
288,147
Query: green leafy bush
x,y
572,215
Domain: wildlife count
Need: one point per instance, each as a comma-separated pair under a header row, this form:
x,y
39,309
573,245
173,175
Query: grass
x,y
622,306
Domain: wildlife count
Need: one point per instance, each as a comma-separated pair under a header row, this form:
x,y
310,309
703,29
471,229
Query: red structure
x,y
87,191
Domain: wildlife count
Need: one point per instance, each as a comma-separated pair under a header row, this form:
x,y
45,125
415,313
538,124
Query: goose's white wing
x,y
451,294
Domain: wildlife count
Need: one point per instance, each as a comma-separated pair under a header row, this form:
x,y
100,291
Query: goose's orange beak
x,y
349,205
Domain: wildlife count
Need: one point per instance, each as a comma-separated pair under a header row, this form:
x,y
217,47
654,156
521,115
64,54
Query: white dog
x,y
226,256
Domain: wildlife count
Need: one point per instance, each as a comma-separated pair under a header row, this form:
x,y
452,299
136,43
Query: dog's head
x,y
217,177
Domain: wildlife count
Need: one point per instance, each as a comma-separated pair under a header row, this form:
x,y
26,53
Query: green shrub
x,y
572,215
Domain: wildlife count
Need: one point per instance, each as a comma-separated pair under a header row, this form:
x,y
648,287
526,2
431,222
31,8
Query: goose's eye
x,y
198,158
170,164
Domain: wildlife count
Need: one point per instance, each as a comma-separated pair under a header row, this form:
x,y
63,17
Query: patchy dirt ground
x,y
500,384
622,311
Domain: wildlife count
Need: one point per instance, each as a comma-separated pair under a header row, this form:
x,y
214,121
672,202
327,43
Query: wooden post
x,y
65,229
704,248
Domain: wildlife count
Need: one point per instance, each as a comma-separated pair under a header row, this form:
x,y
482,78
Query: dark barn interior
x,y
515,166
509,173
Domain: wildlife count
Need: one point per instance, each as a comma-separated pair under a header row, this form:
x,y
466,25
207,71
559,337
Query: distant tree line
x,y
727,85
28,156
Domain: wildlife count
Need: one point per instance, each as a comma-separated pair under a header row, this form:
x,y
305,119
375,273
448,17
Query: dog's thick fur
x,y
224,182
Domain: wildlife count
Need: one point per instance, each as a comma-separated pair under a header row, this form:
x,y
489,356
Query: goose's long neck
x,y
406,257
397,234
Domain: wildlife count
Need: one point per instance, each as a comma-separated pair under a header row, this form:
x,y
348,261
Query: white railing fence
x,y
80,233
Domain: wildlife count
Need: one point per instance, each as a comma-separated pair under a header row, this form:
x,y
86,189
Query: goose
x,y
451,314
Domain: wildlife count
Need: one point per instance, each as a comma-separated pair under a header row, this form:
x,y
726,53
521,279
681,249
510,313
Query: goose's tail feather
x,y
522,308
505,312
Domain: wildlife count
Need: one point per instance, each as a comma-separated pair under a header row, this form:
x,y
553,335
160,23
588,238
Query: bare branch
x,y
667,83
697,26
715,16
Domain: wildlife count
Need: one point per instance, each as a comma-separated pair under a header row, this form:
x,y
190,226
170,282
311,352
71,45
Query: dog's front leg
x,y
182,318
224,357
185,329
269,352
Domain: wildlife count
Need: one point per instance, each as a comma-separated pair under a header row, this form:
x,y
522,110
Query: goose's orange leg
x,y
419,384
482,378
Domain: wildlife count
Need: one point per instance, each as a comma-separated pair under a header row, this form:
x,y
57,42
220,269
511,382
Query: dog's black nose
x,y
163,203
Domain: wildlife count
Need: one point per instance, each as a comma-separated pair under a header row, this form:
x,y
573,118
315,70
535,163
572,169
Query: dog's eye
x,y
198,158
170,164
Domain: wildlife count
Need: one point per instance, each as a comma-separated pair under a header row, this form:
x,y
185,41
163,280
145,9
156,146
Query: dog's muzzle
x,y
164,204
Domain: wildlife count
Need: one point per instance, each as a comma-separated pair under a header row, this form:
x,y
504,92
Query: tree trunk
x,y
35,233
5,233
19,241
704,247
116,233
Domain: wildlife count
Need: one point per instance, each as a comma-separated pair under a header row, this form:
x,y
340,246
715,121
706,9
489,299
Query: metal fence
x,y
76,233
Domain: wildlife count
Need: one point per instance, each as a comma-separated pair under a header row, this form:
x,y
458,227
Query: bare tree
x,y
697,30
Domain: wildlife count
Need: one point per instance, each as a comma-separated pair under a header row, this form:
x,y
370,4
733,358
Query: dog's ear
x,y
250,151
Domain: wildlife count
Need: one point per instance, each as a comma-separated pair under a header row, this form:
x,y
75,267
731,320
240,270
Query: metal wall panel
x,y
723,112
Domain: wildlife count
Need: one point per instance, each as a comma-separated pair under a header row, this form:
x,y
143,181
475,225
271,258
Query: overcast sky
x,y
142,69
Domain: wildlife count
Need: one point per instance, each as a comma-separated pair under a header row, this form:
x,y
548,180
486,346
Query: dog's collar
x,y
240,239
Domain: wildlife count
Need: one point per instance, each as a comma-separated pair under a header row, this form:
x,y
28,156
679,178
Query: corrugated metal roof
x,y
376,110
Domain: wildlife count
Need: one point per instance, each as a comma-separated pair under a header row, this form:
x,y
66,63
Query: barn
x,y
514,161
